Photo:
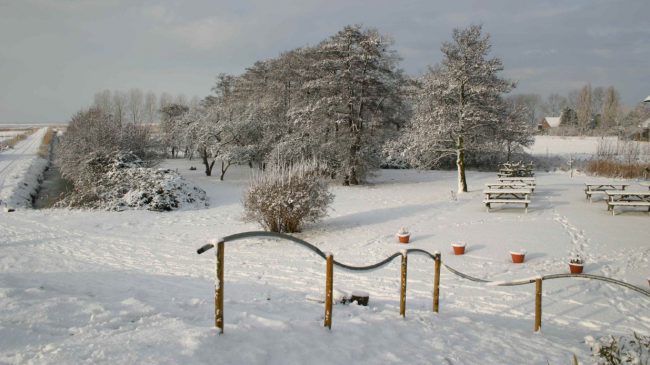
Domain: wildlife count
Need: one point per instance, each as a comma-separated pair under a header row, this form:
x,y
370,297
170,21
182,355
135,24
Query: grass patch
x,y
44,149
610,168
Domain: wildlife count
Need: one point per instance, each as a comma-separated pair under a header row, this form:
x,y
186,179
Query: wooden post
x,y
538,304
218,288
329,284
436,283
402,299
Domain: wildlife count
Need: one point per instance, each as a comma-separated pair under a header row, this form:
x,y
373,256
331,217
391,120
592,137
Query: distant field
x,y
576,146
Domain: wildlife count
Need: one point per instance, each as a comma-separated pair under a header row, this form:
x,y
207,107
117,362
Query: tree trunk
x,y
224,168
509,153
208,165
460,163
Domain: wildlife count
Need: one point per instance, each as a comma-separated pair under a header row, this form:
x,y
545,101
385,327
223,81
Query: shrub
x,y
283,198
608,350
611,168
121,181
44,149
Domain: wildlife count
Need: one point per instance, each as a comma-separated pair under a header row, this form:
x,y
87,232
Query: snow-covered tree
x,y
350,91
458,103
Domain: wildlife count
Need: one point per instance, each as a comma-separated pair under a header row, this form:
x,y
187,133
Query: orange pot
x,y
458,249
575,268
404,238
517,257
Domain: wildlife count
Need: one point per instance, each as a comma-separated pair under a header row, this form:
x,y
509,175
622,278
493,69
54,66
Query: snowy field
x,y
581,147
20,169
125,288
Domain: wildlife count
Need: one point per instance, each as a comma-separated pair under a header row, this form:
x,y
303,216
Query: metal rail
x,y
317,251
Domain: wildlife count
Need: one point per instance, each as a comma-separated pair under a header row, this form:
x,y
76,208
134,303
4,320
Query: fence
x,y
330,263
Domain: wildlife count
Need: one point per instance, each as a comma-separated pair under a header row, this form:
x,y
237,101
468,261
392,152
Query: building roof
x,y
553,122
646,124
647,100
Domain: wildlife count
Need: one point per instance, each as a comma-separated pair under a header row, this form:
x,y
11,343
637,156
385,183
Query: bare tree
x,y
102,100
135,105
150,107
584,108
611,108
554,105
119,106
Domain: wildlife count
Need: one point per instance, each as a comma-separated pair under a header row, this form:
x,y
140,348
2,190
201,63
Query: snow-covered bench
x,y
627,199
600,188
507,196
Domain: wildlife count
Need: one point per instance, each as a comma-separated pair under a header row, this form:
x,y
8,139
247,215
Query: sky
x,y
55,55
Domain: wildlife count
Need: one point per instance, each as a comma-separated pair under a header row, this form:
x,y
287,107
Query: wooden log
x,y
436,283
538,304
218,295
361,297
329,285
402,300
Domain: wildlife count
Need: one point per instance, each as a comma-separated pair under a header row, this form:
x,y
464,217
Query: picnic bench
x,y
507,196
528,181
645,183
627,199
507,185
600,188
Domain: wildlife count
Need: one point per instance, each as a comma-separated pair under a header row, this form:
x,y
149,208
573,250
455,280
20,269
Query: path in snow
x,y
15,162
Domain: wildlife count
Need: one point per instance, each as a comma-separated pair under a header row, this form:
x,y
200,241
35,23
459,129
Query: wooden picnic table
x,y
529,181
600,188
627,198
510,185
645,183
507,196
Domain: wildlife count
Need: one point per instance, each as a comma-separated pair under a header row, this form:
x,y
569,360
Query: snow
x,y
20,171
128,287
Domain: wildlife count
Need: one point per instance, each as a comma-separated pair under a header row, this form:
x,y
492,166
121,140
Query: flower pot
x,y
459,248
517,257
403,238
575,268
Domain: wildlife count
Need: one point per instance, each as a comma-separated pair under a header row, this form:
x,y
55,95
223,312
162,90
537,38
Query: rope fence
x,y
436,257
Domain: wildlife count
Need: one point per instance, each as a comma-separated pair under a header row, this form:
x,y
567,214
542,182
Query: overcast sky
x,y
54,55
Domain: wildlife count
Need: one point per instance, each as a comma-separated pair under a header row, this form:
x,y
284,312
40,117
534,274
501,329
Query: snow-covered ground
x,y
9,134
20,169
128,287
578,147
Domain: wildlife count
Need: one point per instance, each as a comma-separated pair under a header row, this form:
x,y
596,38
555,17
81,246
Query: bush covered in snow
x,y
610,349
121,181
283,198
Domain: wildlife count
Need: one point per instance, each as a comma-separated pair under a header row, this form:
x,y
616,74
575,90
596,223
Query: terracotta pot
x,y
459,248
575,268
517,257
404,238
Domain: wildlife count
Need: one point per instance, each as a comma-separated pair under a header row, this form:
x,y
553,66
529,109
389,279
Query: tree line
x,y
346,104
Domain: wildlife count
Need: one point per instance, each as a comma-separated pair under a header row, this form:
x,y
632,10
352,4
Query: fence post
x,y
436,283
538,304
329,284
402,299
218,290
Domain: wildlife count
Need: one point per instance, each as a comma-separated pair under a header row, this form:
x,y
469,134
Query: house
x,y
548,123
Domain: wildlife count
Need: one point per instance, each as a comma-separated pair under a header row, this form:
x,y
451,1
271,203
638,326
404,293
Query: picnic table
x,y
507,196
507,185
600,188
627,198
528,181
645,183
